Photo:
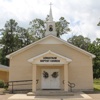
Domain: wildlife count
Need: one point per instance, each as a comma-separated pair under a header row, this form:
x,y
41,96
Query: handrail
x,y
20,81
71,85
13,83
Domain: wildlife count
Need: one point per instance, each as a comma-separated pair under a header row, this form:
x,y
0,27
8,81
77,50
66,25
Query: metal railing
x,y
29,82
20,82
71,85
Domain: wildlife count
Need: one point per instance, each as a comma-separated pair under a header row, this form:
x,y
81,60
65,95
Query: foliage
x,y
8,40
13,38
37,28
6,85
80,41
97,84
95,49
1,84
62,27
23,38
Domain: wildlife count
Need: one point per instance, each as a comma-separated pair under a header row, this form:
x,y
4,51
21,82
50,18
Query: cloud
x,y
83,15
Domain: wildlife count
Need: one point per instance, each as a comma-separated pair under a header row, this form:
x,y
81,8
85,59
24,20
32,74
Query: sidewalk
x,y
77,96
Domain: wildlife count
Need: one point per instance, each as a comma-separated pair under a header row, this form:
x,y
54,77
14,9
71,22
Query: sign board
x,y
50,59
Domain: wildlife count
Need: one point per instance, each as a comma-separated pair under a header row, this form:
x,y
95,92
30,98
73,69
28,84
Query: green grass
x,y
97,84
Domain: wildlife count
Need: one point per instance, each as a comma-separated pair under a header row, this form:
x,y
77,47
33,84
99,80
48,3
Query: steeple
x,y
50,14
50,27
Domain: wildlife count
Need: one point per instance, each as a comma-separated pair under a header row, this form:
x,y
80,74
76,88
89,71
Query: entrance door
x,y
50,79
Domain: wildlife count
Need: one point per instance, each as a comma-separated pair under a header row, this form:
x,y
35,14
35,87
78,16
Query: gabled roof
x,y
63,42
4,68
50,52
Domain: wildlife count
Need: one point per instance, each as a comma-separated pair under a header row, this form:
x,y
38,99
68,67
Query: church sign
x,y
49,59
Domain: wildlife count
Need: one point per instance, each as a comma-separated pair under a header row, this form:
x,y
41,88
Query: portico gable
x,y
49,57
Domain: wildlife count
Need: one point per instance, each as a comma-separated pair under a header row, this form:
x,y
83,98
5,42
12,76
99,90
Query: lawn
x,y
97,84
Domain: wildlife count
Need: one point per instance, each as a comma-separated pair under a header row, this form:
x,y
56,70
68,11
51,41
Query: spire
x,y
50,29
50,14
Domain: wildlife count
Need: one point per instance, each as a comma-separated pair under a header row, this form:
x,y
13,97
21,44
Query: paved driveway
x,y
94,95
5,97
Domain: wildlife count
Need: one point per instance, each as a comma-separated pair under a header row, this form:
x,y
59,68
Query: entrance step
x,y
50,93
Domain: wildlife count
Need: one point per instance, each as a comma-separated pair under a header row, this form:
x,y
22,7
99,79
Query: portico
x,y
49,63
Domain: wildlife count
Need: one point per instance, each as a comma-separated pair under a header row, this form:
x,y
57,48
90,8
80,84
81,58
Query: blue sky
x,y
83,15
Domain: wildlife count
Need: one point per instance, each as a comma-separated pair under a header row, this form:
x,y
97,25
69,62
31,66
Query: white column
x,y
34,78
66,77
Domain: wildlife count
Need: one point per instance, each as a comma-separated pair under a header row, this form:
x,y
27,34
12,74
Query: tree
x,y
80,41
8,41
14,38
95,49
37,28
62,27
23,38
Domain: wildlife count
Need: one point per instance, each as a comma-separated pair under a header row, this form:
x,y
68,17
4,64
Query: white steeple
x,y
50,14
50,30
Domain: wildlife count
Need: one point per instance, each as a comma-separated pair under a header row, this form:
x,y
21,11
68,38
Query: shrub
x,y
6,86
1,84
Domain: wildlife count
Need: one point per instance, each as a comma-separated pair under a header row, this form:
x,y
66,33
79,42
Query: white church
x,y
52,63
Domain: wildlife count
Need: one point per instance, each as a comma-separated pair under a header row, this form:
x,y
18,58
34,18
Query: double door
x,y
50,79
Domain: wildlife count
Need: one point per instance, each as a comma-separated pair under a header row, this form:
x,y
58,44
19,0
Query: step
x,y
6,91
18,91
50,93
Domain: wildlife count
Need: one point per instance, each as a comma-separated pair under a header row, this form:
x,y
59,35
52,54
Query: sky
x,y
83,15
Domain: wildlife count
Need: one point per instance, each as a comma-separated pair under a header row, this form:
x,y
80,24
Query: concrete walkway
x,y
77,96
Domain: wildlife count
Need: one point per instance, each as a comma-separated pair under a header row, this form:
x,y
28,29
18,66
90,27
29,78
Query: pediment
x,y
49,57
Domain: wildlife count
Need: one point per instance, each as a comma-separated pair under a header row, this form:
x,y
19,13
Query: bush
x,y
1,84
6,86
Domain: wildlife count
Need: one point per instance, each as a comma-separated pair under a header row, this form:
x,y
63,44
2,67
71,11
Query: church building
x,y
52,63
4,73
